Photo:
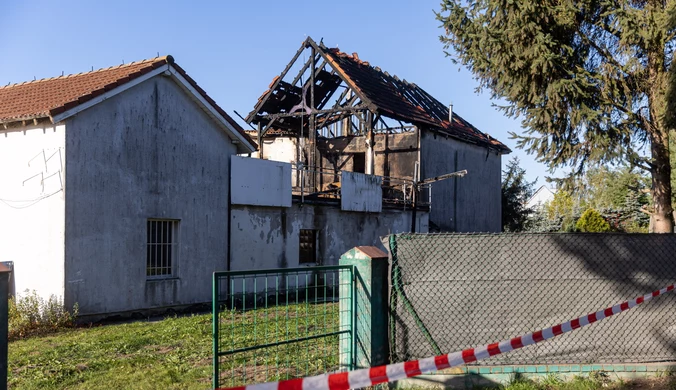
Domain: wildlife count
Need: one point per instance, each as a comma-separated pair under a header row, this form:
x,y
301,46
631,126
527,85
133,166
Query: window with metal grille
x,y
308,246
162,248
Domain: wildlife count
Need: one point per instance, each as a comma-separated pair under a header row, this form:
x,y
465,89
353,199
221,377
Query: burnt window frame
x,y
304,257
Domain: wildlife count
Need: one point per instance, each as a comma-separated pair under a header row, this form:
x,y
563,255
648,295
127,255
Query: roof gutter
x,y
8,124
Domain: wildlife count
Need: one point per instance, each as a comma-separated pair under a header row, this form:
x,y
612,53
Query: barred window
x,y
162,248
308,246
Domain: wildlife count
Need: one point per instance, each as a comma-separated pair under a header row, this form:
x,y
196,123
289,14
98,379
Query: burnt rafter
x,y
357,108
282,96
376,93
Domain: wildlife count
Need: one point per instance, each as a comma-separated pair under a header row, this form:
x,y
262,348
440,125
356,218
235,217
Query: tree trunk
x,y
658,133
661,178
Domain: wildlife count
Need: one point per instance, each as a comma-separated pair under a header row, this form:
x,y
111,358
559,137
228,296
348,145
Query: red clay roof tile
x,y
52,96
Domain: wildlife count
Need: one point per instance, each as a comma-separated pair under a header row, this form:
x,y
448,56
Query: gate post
x,y
4,319
369,346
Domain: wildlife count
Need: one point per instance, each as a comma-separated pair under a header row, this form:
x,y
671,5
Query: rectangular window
x,y
308,246
162,248
359,162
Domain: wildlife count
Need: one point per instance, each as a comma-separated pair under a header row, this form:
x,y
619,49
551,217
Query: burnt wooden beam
x,y
316,73
380,118
274,85
396,151
347,111
336,67
267,127
317,112
341,97
242,118
302,70
260,141
312,130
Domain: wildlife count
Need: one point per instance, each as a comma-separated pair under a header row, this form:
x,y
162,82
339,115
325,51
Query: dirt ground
x,y
664,383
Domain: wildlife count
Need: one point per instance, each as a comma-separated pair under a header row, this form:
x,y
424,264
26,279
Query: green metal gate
x,y
279,324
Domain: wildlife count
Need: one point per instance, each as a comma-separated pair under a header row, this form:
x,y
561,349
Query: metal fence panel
x,y
455,291
280,324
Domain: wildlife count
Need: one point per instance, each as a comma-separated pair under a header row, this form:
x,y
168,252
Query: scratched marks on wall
x,y
39,177
45,171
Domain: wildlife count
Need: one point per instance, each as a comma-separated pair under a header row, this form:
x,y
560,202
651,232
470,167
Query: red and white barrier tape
x,y
393,372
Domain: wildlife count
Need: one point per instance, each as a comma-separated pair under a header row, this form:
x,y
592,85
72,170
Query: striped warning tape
x,y
393,372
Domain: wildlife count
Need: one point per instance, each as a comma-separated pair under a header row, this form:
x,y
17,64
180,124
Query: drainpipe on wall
x,y
5,272
228,260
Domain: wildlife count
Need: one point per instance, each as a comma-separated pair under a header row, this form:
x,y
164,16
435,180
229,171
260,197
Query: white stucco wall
x,y
278,149
32,207
149,152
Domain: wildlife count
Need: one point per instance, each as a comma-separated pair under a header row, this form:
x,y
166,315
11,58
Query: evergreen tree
x,y
592,221
635,219
541,222
516,191
590,79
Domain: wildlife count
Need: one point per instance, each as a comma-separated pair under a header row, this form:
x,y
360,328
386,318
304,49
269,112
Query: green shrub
x,y
31,314
593,222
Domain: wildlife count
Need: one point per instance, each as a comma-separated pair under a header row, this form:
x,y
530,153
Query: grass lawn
x,y
174,354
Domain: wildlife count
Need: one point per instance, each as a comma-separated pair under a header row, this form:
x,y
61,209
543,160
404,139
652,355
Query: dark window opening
x,y
359,162
308,246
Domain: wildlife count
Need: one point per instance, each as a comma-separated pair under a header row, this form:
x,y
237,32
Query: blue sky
x,y
233,48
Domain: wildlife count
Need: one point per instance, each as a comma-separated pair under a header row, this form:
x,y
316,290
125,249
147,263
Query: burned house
x,y
330,112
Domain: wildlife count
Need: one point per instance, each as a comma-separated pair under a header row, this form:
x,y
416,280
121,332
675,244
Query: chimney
x,y
450,112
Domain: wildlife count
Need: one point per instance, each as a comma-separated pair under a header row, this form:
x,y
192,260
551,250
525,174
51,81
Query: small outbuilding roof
x,y
54,97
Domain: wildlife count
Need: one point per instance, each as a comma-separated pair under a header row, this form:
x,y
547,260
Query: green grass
x,y
279,361
554,383
176,353
173,353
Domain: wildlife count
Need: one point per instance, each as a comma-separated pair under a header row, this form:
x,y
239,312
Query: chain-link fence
x,y
455,291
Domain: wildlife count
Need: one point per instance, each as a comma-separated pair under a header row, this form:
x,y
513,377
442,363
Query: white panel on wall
x,y
360,192
258,182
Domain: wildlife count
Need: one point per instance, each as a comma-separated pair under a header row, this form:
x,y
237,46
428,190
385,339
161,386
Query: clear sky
x,y
233,48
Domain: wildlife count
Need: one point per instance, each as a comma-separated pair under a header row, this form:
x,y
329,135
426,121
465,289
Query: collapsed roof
x,y
366,87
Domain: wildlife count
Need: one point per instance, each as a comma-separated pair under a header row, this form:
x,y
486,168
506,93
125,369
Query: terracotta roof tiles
x,y
49,97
